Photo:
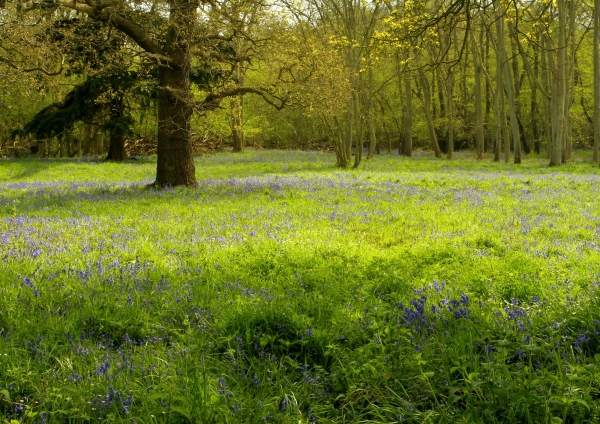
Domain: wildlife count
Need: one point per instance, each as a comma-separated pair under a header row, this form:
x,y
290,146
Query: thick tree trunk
x,y
116,148
175,165
175,160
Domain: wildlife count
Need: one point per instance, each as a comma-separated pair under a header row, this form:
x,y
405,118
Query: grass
x,y
284,290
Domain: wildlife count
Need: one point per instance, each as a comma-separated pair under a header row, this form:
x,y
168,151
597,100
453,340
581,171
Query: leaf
x,y
182,411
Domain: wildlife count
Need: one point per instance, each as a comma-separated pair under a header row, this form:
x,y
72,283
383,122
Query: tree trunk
x,y
237,113
450,93
427,110
569,84
560,83
534,105
596,156
116,149
488,92
175,164
408,115
370,113
516,76
547,87
237,131
358,151
500,114
479,143
512,112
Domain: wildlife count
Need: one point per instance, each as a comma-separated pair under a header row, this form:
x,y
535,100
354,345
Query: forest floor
x,y
285,290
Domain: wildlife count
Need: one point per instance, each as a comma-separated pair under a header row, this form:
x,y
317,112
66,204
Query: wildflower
x,y
283,404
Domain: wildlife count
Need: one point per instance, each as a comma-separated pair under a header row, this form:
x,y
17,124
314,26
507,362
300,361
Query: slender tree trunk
x,y
516,76
500,84
560,82
513,114
546,85
488,89
299,128
534,105
569,85
450,89
370,113
348,135
440,91
427,110
359,135
479,143
596,156
237,111
408,114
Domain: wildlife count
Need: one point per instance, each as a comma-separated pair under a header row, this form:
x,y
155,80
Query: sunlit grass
x,y
283,289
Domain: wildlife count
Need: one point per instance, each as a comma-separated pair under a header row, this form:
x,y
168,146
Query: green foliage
x,y
282,290
82,103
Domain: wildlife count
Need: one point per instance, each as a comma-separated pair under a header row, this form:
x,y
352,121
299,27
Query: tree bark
x,y
450,93
560,83
175,161
116,148
596,155
237,113
479,143
408,115
534,105
500,113
370,112
427,110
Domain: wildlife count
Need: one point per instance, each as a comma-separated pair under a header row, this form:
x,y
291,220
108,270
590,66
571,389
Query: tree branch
x,y
213,100
37,69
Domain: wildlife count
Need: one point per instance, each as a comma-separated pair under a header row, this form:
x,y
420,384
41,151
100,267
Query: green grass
x,y
285,290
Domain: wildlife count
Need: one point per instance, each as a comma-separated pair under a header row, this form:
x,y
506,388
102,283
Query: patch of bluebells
x,y
420,318
113,399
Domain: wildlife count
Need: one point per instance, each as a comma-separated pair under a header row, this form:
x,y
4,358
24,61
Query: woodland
x,y
315,211
502,79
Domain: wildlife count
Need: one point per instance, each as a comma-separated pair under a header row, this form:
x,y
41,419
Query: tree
x,y
172,36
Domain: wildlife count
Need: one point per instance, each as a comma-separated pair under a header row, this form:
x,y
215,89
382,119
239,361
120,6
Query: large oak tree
x,y
173,34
